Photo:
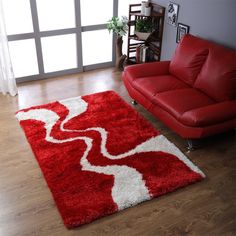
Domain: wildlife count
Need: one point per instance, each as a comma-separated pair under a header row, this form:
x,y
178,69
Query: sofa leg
x,y
190,146
134,103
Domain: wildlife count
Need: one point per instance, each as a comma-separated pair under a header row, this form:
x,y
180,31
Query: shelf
x,y
132,60
134,45
151,49
153,14
134,37
155,44
150,39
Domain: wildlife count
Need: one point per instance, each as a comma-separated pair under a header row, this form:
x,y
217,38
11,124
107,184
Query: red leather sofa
x,y
194,93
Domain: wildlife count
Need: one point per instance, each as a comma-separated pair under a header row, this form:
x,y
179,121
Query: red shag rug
x,y
99,156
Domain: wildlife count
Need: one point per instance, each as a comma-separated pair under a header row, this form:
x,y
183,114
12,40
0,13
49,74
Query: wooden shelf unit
x,y
154,41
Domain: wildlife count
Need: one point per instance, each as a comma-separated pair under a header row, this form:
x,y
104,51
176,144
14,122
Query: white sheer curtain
x,y
7,78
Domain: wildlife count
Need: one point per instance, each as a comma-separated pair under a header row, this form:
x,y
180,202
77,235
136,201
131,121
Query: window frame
x,y
78,29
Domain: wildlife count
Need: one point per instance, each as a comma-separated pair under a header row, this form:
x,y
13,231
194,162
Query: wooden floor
x,y
26,204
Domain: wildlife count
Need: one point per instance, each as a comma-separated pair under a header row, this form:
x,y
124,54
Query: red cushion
x,y
210,115
146,69
177,102
177,126
150,86
188,59
218,75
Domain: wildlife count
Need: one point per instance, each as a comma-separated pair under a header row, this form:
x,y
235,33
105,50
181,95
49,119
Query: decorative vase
x,y
120,58
144,4
147,11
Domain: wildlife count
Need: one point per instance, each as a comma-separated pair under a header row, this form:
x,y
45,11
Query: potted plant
x,y
143,28
119,26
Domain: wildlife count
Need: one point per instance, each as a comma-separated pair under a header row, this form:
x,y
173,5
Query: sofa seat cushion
x,y
150,86
218,75
177,102
210,115
188,59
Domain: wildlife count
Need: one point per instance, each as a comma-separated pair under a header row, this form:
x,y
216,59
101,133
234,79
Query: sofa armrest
x,y
148,69
211,114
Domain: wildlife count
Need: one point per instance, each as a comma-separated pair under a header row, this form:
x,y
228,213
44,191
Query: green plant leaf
x,y
118,25
144,25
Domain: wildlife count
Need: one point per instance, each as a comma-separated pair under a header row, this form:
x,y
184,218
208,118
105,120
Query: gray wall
x,y
210,19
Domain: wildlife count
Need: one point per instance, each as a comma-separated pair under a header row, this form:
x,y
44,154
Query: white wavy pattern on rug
x,y
124,193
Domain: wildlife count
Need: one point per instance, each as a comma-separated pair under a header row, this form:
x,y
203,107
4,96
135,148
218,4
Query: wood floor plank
x,y
26,205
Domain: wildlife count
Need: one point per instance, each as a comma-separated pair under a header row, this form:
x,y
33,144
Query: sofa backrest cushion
x,y
217,78
188,59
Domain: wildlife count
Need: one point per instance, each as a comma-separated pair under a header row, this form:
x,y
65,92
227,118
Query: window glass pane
x,y
17,15
59,52
96,12
97,47
23,57
56,14
123,10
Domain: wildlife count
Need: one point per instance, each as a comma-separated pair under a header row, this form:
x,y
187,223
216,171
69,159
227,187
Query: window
x,y
24,58
123,10
102,9
95,51
51,38
22,21
59,52
56,14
